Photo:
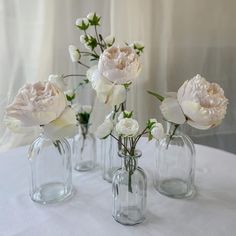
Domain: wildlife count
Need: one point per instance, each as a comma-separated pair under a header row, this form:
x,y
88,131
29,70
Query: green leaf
x,y
159,97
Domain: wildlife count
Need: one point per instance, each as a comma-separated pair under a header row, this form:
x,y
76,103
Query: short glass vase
x,y
129,189
50,170
175,165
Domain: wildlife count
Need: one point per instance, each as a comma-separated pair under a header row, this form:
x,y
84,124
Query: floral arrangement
x,y
199,103
128,129
117,66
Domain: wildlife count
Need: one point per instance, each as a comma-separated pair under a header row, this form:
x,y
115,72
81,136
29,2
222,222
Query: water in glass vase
x,y
51,171
84,149
175,166
129,188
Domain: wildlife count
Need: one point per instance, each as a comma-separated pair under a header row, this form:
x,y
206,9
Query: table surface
x,y
211,212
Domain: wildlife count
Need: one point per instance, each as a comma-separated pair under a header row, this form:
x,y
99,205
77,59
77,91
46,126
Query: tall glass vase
x,y
51,171
129,189
84,149
175,166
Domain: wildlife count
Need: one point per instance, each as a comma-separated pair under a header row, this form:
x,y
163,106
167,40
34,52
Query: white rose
x,y
109,40
119,65
157,131
63,126
74,53
127,127
202,102
58,81
107,92
87,109
171,111
104,129
79,22
37,104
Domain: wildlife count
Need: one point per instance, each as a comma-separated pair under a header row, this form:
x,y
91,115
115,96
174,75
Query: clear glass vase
x,y
175,166
84,149
109,153
51,170
129,189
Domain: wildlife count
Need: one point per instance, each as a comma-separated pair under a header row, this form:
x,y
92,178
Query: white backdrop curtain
x,y
182,38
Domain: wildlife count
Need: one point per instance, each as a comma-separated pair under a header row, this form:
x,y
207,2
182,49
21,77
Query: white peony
x,y
63,126
203,103
127,127
37,104
58,81
107,92
104,129
74,53
120,65
171,111
157,131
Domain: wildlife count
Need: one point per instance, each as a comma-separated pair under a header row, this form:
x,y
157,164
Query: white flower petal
x,y
171,111
63,126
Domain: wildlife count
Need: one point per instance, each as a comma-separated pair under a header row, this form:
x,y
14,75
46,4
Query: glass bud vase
x,y
129,189
84,149
51,170
109,153
175,165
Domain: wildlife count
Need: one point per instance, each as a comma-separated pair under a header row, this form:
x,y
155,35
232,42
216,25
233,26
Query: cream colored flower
x,y
127,127
109,40
120,65
203,103
37,104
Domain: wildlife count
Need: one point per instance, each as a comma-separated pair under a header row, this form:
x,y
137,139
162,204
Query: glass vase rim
x,y
137,154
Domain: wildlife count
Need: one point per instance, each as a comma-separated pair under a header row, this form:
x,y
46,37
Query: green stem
x,y
70,75
82,64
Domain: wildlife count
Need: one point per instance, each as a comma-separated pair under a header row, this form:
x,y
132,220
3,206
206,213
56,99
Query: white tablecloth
x,y
211,212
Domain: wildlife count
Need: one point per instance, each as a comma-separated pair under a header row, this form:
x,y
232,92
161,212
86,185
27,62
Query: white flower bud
x,y
87,109
91,15
74,53
157,131
79,22
109,40
82,39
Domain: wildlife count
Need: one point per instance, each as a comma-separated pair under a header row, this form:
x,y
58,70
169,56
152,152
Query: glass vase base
x,y
175,188
108,176
85,166
51,193
129,216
